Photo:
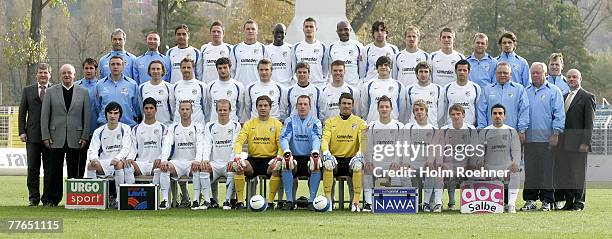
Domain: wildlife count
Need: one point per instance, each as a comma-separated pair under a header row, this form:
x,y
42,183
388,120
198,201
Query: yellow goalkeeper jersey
x,y
343,138
263,138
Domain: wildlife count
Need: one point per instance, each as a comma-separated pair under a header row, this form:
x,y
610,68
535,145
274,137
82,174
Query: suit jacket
x,y
29,113
579,121
61,125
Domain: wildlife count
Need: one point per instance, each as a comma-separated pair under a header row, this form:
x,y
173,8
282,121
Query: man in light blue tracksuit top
x,y
555,64
509,94
547,122
520,67
141,65
118,38
301,139
482,64
119,88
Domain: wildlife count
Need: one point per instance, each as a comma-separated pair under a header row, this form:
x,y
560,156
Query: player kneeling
x,y
342,143
147,139
219,137
262,135
182,155
110,145
300,139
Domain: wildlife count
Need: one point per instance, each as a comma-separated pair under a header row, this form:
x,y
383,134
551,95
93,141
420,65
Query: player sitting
x,y
110,145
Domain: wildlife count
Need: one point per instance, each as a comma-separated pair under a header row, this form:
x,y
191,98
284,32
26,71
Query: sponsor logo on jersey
x,y
279,64
111,147
227,141
248,60
186,144
448,72
311,59
152,142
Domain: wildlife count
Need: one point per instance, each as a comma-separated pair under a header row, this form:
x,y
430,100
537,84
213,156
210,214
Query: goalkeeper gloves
x,y
329,161
315,161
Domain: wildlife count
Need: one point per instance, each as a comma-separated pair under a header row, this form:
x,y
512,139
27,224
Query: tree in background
x,y
542,27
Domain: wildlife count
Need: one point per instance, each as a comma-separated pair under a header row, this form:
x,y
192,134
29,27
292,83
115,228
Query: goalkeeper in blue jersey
x,y
300,140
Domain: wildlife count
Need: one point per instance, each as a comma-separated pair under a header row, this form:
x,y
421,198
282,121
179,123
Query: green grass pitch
x,y
594,222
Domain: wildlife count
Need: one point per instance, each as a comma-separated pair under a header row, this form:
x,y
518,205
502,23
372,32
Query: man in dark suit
x,y
575,143
65,129
29,132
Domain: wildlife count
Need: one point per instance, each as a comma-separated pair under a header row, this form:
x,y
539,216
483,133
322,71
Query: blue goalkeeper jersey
x,y
301,136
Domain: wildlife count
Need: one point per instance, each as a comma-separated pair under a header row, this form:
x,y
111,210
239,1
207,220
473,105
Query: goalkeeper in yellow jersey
x,y
342,143
262,134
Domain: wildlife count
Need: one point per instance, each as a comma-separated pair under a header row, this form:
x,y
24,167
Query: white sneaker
x,y
511,208
205,205
437,208
355,207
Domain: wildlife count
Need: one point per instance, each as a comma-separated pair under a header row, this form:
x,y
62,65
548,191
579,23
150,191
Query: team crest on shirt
x,y
125,91
354,126
453,62
256,50
391,88
190,133
156,131
316,51
486,67
505,137
310,95
428,134
418,60
271,93
468,93
543,96
510,94
272,129
161,91
351,52
229,93
194,92
222,53
230,131
432,93
118,137
284,53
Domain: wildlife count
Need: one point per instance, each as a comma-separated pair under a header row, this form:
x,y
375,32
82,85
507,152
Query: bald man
x,y
65,129
280,54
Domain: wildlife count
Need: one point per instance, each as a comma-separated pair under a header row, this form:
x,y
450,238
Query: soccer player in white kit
x,y
503,152
313,52
145,154
382,85
384,131
175,55
247,54
351,53
225,88
443,61
190,90
406,60
212,51
304,87
420,134
425,90
219,138
265,86
455,134
110,145
380,47
333,90
160,90
280,55
463,92
182,153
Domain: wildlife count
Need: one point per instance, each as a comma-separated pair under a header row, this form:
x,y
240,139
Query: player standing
x,y
182,50
280,55
482,64
265,86
350,52
212,51
313,52
332,91
247,54
189,90
463,92
443,61
406,60
159,90
430,93
225,88
382,85
379,48
555,65
520,67
304,87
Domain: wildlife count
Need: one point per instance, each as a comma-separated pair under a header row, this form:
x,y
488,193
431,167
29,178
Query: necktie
x,y
568,100
42,92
